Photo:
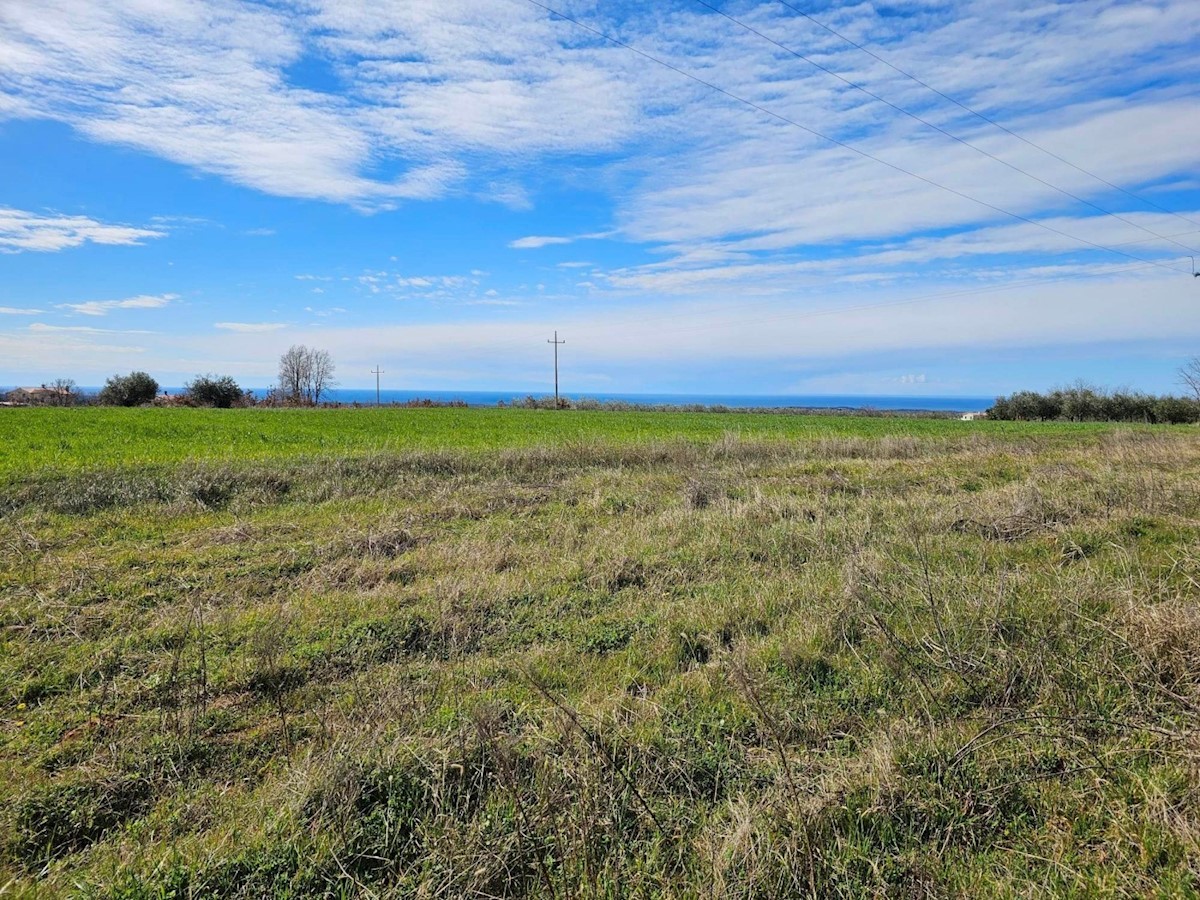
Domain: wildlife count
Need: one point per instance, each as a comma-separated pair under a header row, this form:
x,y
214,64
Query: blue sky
x,y
437,185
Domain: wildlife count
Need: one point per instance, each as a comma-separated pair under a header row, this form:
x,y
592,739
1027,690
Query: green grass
x,y
70,439
532,654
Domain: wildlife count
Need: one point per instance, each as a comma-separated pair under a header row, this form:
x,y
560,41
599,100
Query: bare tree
x,y
305,374
293,373
64,392
1189,376
320,378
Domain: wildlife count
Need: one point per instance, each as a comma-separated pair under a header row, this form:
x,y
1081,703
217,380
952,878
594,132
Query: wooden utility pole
x,y
377,372
556,342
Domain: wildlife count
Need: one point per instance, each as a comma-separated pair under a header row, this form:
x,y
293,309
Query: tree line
x,y
305,379
1083,403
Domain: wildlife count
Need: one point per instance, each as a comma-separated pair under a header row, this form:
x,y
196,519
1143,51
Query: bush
x,y
209,390
133,389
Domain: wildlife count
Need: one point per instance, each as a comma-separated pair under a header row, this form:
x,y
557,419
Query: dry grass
x,y
846,666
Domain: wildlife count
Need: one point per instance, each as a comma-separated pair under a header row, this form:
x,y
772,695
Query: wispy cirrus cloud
x,y
442,96
17,311
251,327
425,287
104,307
536,242
426,84
23,231
43,328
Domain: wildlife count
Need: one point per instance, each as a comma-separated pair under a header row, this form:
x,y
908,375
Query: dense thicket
x,y
1087,404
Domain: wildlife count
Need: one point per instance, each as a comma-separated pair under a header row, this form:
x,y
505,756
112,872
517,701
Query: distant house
x,y
971,417
37,395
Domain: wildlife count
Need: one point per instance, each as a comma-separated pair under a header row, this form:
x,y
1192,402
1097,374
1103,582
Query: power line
x,y
936,127
987,119
839,143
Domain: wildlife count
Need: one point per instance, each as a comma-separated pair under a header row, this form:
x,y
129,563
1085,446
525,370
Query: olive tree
x,y
209,390
133,389
305,374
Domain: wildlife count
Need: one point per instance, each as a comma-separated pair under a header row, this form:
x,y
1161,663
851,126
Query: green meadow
x,y
43,440
525,653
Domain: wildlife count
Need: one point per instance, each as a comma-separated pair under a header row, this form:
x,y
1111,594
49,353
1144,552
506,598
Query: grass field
x,y
69,439
483,653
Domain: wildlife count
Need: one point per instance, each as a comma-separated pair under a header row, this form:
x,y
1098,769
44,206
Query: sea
x,y
366,396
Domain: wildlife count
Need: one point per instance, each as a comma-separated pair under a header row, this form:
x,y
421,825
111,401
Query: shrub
x,y
209,390
133,389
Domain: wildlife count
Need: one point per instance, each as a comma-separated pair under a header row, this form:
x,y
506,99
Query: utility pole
x,y
377,372
556,342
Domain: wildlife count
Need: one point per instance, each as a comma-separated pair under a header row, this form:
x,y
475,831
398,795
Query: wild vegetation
x,y
484,653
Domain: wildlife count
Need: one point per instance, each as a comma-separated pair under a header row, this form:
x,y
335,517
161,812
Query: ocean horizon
x,y
893,403
885,402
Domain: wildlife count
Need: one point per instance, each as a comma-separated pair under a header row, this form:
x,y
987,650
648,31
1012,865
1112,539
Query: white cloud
x,y
42,327
629,343
442,96
250,327
104,307
14,311
29,231
536,242
424,287
426,82
1074,314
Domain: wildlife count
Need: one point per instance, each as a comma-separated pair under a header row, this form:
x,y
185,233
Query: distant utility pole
x,y
377,372
556,342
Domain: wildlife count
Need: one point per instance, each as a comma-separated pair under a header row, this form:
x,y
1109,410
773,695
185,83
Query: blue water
x,y
735,401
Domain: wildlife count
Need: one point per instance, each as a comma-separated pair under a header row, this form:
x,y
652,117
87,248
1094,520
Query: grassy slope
x,y
885,657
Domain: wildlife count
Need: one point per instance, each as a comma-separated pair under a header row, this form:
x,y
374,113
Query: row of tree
x,y
1083,403
305,379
